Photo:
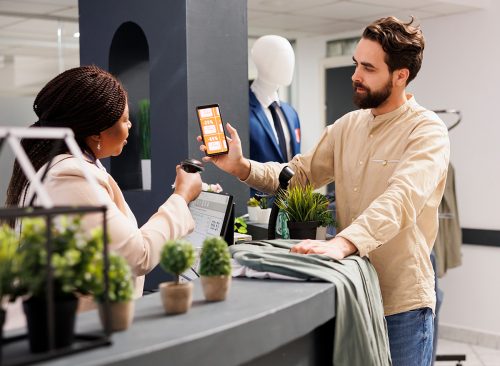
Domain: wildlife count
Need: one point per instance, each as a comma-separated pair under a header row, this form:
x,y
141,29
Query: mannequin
x,y
275,60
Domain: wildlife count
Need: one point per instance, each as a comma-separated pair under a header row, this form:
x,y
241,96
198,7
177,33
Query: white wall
x,y
471,292
460,71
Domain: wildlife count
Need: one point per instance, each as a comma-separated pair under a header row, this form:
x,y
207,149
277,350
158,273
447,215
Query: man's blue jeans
x,y
410,337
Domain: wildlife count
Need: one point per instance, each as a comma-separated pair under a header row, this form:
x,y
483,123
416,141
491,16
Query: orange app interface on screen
x,y
212,130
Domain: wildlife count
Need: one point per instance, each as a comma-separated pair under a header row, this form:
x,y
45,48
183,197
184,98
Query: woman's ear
x,y
95,138
94,143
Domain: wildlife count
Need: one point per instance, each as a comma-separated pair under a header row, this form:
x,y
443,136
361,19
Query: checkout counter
x,y
262,322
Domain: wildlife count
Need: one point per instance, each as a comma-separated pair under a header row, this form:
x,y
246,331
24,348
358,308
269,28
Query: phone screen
x,y
212,129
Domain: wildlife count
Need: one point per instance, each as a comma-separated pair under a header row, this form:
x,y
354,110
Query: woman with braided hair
x,y
93,104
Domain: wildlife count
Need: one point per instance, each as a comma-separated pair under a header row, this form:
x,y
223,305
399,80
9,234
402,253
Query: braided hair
x,y
86,99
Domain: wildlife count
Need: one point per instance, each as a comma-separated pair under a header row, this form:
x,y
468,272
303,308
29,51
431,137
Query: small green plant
x,y
215,259
75,257
302,204
253,202
8,263
176,257
145,129
240,225
121,288
263,203
325,217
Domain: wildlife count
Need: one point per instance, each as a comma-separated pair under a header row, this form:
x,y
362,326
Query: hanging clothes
x,y
449,239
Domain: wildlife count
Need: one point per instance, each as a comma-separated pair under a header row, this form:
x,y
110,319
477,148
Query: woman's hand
x,y
187,185
233,162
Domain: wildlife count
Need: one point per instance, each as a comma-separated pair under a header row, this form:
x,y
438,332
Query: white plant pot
x,y
263,216
146,174
321,233
253,213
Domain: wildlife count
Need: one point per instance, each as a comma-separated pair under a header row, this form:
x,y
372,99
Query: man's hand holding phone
x,y
233,162
212,129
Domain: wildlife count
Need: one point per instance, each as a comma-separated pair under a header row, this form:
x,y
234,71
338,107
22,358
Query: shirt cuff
x,y
361,239
260,178
180,207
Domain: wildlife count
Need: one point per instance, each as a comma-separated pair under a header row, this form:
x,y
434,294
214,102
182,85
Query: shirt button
x,y
384,163
361,162
355,189
371,136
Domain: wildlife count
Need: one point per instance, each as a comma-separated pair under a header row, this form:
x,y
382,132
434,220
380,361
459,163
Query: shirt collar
x,y
88,157
410,102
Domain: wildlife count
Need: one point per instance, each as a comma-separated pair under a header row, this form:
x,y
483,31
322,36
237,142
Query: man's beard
x,y
371,99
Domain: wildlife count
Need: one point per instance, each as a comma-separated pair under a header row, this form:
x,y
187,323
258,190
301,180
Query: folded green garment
x,y
360,337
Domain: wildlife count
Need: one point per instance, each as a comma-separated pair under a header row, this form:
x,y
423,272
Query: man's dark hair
x,y
402,42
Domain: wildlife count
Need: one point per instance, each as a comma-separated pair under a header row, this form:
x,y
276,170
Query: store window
x,y
341,47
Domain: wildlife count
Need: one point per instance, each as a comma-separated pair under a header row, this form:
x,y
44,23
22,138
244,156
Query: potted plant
x,y
240,225
264,212
258,209
253,209
325,217
145,134
120,294
215,268
176,257
73,260
8,270
304,210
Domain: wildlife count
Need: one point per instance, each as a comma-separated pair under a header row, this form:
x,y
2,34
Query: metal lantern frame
x,y
14,349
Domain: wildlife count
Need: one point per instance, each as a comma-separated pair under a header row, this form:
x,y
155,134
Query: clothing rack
x,y
451,111
458,358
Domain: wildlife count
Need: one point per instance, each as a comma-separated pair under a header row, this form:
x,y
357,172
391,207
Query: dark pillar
x,y
179,54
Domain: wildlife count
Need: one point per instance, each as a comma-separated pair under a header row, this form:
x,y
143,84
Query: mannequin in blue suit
x,y
274,59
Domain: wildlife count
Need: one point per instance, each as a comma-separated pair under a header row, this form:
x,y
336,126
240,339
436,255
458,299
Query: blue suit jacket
x,y
263,144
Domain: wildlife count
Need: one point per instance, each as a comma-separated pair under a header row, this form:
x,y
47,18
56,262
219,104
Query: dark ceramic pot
x,y
35,309
302,230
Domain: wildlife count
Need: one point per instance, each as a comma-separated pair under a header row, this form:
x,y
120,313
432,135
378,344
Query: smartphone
x,y
212,129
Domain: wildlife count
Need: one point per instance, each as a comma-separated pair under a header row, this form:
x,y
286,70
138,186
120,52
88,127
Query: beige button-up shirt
x,y
390,173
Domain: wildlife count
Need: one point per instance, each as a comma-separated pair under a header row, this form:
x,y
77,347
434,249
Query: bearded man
x,y
389,162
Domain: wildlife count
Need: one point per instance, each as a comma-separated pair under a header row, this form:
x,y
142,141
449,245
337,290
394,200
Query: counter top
x,y
258,317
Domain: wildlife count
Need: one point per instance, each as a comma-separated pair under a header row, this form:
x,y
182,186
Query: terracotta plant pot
x,y
176,297
122,315
215,288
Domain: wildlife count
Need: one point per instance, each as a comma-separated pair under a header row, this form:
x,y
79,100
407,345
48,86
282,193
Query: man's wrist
x,y
346,246
244,168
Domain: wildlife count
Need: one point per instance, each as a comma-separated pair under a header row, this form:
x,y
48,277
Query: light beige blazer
x,y
141,247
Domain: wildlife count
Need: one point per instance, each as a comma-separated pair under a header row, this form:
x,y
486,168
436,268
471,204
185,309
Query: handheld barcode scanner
x,y
285,175
192,166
